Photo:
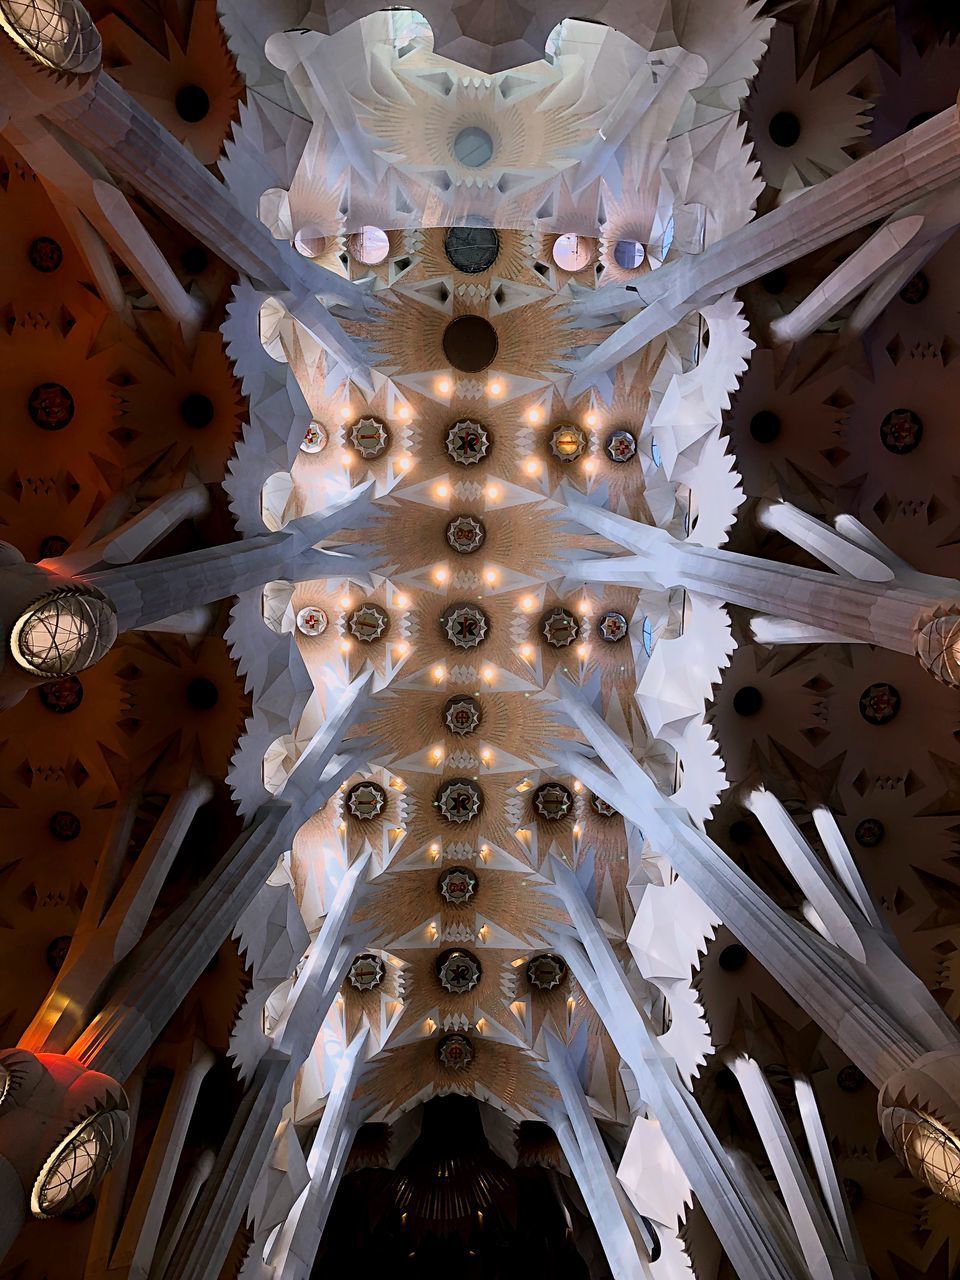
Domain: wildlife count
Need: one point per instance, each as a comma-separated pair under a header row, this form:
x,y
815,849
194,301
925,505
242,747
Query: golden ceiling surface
x,y
480,755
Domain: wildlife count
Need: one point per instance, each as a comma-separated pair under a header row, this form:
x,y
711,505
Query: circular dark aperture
x,y
64,825
50,406
733,957
472,249
196,410
869,832
192,103
765,426
901,431
784,129
194,259
850,1078
45,254
774,282
202,694
741,832
470,343
879,703
747,701
61,696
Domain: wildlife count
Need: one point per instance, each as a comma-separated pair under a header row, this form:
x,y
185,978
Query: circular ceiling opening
x,y
470,343
472,249
473,147
784,129
192,103
628,254
572,252
196,410
747,701
765,426
369,245
310,242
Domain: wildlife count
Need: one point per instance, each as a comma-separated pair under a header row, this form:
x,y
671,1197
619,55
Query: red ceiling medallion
x,y
458,885
466,534
612,627
621,446
455,1052
369,437
366,972
468,442
567,443
462,715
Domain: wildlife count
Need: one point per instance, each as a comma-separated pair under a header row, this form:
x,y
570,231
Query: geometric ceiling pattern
x,y
512,823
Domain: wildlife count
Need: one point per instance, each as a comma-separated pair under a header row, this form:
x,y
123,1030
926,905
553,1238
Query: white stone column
x,y
222,1203
107,932
824,1252
146,592
878,269
887,286
197,1175
870,597
192,624
890,245
578,1135
728,1206
97,215
134,1252
821,977
295,1248
845,914
139,150
137,535
920,161
300,1023
175,954
136,149
221,1207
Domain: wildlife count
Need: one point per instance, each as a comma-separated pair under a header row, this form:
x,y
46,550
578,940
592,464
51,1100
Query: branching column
x,y
918,162
223,1203
144,593
872,598
821,977
578,1135
106,933
824,1232
727,1205
293,1253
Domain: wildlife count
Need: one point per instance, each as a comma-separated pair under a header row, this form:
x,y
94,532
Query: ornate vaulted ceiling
x,y
465,853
